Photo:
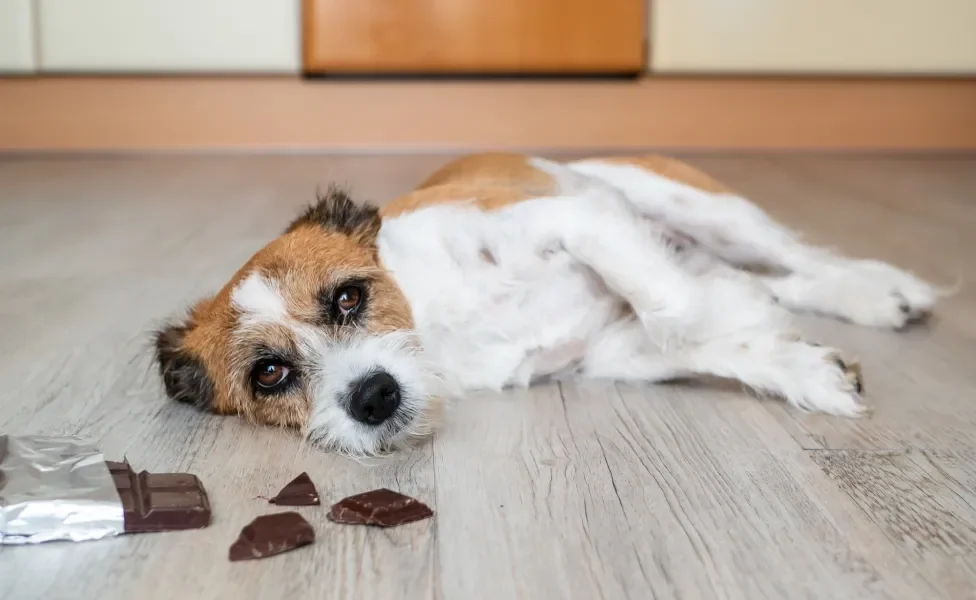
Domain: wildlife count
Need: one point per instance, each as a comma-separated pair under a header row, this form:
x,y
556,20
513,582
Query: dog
x,y
358,323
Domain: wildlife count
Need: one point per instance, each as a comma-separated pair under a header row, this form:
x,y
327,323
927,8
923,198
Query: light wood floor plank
x,y
713,470
913,212
918,506
531,506
586,491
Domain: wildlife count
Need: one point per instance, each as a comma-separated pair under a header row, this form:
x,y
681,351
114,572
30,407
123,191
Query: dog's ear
x,y
184,375
335,210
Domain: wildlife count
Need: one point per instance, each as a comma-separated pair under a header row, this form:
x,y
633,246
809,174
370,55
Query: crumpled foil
x,y
56,488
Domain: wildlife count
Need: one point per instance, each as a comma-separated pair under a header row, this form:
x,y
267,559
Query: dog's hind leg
x,y
806,376
683,323
803,277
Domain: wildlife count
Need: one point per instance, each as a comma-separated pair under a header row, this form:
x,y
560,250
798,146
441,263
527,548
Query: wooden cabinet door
x,y
894,37
473,36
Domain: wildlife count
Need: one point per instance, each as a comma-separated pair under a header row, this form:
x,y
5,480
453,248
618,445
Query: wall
x,y
877,37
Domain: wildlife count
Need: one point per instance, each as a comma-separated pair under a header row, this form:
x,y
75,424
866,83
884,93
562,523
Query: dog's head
x,y
311,333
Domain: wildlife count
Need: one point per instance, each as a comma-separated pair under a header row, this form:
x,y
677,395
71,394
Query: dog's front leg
x,y
631,258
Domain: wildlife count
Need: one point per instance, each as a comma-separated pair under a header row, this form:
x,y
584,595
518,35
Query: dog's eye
x,y
269,374
347,299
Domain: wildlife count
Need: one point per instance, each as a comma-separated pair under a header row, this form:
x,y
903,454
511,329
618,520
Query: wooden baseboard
x,y
279,113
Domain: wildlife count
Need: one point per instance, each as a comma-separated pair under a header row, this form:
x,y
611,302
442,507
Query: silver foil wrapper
x,y
56,488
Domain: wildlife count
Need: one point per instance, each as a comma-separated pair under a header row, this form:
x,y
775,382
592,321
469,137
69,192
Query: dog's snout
x,y
374,398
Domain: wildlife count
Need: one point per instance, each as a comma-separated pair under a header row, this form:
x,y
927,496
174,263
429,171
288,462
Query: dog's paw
x,y
881,295
851,370
864,292
827,383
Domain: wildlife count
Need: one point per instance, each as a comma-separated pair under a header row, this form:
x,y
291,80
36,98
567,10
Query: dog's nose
x,y
374,398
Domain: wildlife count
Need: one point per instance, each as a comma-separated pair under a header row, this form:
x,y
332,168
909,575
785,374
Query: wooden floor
x,y
573,491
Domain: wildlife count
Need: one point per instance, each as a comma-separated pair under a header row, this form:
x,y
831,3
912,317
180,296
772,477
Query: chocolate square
x,y
160,501
272,534
382,508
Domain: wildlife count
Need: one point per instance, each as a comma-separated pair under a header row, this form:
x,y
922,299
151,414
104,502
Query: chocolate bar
x,y
272,534
299,492
160,501
382,507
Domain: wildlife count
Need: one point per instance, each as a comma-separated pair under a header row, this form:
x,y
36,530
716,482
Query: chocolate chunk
x,y
382,507
300,492
160,501
272,534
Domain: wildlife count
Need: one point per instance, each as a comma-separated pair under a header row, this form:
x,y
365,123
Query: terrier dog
x,y
500,270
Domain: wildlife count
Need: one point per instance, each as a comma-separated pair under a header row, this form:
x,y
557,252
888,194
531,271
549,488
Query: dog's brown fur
x,y
205,358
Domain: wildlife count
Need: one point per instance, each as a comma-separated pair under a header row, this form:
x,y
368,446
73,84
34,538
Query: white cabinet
x,y
170,36
813,36
16,36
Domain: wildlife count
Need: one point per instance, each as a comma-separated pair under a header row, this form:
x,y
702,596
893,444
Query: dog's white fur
x,y
597,268
589,283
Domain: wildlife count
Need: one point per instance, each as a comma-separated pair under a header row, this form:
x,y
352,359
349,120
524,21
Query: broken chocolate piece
x,y
160,501
272,534
299,492
382,507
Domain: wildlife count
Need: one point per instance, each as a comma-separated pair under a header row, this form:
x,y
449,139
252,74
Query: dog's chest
x,y
495,310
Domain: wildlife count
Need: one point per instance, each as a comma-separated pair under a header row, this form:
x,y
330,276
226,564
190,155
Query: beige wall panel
x,y
814,36
260,36
16,36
